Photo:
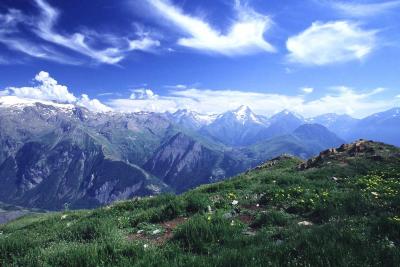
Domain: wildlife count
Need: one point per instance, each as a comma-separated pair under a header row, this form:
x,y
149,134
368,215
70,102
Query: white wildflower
x,y
64,217
157,231
305,223
235,202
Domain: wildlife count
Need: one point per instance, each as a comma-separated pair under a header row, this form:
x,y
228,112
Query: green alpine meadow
x,y
340,208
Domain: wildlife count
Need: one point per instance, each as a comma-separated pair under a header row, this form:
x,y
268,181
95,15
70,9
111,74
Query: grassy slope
x,y
283,217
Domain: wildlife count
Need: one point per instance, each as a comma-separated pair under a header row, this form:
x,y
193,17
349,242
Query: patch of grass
x,y
196,202
272,218
204,233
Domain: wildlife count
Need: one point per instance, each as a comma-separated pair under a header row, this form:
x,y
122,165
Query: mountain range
x,y
56,155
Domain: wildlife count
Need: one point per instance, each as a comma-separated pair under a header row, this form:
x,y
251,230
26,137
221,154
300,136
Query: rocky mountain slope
x,y
56,156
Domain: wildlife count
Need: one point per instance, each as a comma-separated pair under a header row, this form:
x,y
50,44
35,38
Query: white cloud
x,y
307,90
356,9
4,92
180,86
44,27
331,42
48,89
77,41
37,50
143,94
346,100
108,94
151,105
398,96
145,44
246,34
341,100
92,104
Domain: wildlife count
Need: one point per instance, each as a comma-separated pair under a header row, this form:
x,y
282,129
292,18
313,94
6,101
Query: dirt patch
x,y
159,239
245,218
253,207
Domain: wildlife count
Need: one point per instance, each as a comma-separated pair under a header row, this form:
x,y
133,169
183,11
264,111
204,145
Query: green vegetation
x,y
343,212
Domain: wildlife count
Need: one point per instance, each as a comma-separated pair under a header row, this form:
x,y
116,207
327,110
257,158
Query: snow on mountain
x,y
244,115
11,101
238,127
191,119
18,102
331,119
286,114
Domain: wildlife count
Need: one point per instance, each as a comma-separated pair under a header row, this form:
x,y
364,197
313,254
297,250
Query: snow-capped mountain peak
x,y
195,119
244,114
287,113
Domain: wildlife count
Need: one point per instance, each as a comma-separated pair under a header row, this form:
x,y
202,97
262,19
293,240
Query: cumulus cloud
x,y
307,90
246,34
357,9
143,94
331,42
47,88
43,26
92,104
341,100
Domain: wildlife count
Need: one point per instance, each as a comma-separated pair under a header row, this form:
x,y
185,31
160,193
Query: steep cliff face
x,y
182,163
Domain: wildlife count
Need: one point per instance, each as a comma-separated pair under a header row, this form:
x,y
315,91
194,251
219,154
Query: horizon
x,y
15,101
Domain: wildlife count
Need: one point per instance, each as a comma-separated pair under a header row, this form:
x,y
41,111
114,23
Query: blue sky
x,y
311,56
